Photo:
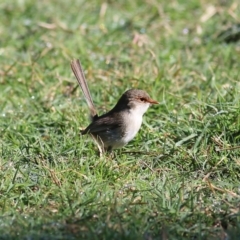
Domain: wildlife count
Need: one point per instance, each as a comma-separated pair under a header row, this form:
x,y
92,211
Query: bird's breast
x,y
132,126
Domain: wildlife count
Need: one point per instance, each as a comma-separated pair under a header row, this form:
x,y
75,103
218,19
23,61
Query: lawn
x,y
179,178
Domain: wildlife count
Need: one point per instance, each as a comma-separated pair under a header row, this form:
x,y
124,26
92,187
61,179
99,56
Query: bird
x,y
120,125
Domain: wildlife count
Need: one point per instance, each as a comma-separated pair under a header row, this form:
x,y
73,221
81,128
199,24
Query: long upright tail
x,y
78,72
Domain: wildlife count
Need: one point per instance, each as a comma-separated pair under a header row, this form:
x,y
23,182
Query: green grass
x,y
178,179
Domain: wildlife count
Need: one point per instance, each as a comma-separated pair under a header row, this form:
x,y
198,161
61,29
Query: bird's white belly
x,y
132,124
132,128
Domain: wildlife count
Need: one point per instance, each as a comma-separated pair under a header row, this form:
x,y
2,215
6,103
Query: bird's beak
x,y
152,101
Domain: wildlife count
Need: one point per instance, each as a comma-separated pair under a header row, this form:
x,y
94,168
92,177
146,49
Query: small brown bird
x,y
120,125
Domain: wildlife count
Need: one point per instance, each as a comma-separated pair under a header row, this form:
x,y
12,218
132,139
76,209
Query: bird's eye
x,y
142,99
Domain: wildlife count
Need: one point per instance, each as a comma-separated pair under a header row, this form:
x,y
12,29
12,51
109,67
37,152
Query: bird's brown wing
x,y
103,124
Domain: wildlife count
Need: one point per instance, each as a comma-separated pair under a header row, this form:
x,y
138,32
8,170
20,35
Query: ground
x,y
179,178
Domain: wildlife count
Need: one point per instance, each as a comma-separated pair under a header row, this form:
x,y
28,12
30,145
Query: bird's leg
x,y
100,145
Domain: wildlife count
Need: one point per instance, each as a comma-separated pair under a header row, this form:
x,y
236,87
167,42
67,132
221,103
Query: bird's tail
x,y
78,72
